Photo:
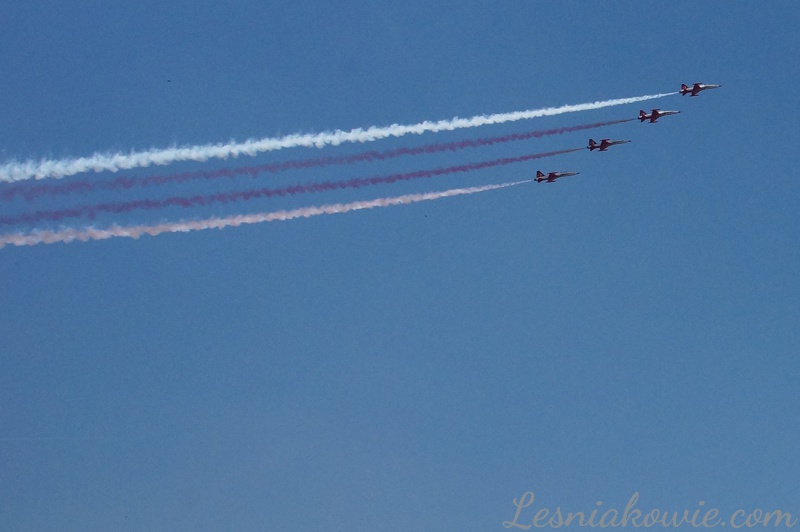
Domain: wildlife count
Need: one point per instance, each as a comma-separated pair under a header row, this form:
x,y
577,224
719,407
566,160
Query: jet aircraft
x,y
695,89
604,144
551,177
655,114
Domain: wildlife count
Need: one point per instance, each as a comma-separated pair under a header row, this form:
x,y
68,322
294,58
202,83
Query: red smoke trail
x,y
71,234
32,192
91,211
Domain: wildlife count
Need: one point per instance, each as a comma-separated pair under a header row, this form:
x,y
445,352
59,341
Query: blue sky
x,y
630,329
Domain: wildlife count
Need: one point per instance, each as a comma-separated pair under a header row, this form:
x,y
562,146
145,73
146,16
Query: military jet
x,y
604,144
695,89
655,114
551,177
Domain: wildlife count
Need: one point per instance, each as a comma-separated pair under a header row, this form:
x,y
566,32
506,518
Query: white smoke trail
x,y
71,234
20,171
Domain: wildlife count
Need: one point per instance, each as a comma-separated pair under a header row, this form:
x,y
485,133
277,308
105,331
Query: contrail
x,y
90,233
92,211
32,192
113,162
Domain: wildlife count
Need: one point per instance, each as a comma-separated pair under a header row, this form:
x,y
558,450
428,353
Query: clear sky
x,y
630,329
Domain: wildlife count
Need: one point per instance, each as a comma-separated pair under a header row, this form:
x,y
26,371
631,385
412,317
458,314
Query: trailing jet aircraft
x,y
655,114
551,177
695,89
604,144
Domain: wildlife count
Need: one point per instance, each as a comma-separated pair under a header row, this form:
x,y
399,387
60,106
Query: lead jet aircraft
x,y
696,88
551,177
604,144
655,114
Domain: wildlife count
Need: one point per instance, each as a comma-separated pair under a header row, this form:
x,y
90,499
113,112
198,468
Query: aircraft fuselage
x,y
695,89
604,144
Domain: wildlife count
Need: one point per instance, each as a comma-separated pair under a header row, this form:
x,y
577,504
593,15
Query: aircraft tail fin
x,y
642,116
592,144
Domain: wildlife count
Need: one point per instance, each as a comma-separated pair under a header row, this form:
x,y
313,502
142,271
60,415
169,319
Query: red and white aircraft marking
x,y
604,144
695,89
655,114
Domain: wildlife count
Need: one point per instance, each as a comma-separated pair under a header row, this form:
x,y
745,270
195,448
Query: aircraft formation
x,y
114,206
604,144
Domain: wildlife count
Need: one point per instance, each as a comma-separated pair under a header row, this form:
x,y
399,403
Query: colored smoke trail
x,y
113,162
225,197
31,192
90,233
